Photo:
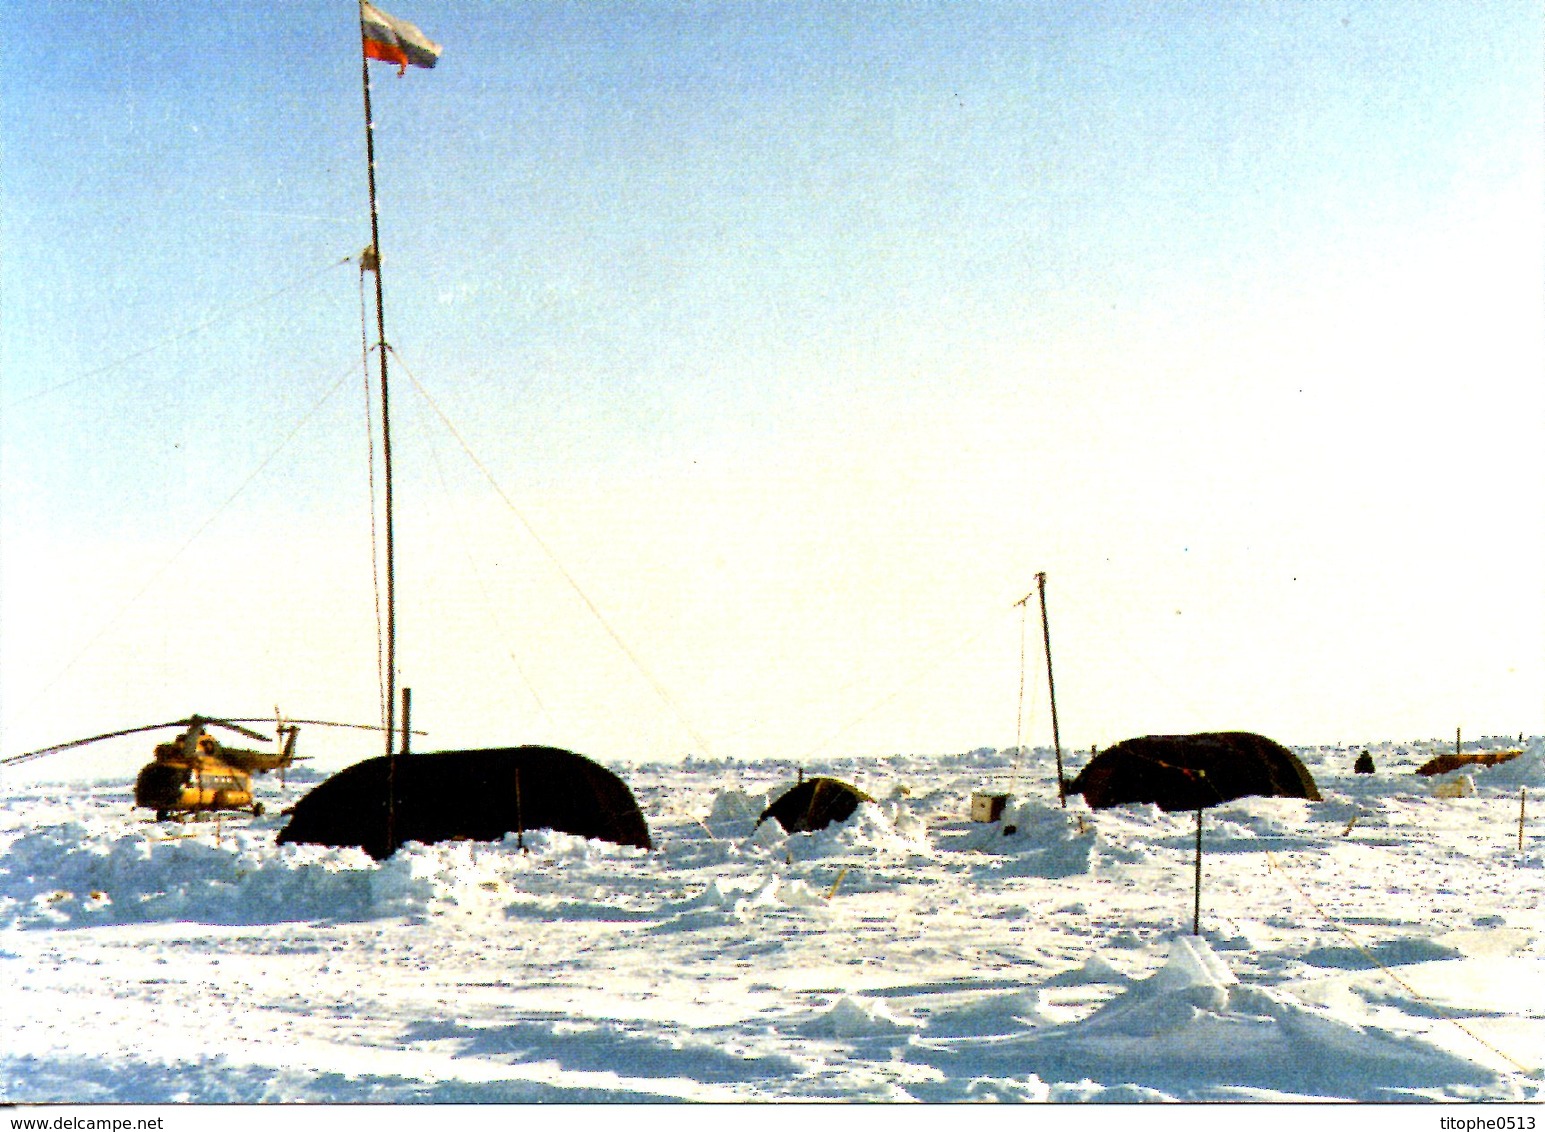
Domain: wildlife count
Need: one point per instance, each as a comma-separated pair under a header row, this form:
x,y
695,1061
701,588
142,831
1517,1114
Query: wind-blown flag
x,y
395,41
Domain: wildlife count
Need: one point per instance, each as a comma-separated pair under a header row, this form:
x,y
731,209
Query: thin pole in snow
x,y
391,770
1196,912
1523,794
1051,687
1019,721
520,820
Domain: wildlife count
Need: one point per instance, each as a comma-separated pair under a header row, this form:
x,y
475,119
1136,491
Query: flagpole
x,y
386,420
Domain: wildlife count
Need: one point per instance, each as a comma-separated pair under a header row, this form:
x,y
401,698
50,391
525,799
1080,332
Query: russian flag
x,y
395,41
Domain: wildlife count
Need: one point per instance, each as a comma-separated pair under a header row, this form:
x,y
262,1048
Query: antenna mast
x,y
1023,604
1051,688
371,261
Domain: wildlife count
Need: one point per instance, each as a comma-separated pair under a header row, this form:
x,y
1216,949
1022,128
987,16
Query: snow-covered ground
x,y
1381,945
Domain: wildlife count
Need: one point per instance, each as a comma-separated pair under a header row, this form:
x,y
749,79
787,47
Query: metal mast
x,y
1051,688
372,261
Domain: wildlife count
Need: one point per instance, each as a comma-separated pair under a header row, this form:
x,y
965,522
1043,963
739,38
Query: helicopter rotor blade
x,y
56,748
321,723
234,725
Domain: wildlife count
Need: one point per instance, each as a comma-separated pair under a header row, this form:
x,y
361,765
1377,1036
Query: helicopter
x,y
195,773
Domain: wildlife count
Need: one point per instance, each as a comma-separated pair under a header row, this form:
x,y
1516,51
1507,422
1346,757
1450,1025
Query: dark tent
x,y
814,804
475,795
1189,772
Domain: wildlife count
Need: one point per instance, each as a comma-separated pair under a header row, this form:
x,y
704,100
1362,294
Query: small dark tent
x,y
814,804
475,795
1189,772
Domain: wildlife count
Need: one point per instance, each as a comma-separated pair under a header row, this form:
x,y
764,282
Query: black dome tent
x,y
1189,772
813,804
1192,772
476,795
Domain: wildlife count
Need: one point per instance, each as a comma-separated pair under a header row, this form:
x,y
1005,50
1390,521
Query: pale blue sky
x,y
806,333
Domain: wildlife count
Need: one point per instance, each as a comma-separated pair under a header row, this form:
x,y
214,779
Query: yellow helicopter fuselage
x,y
177,783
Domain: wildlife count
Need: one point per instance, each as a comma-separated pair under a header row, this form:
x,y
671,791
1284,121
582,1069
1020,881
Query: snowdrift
x,y
1192,1030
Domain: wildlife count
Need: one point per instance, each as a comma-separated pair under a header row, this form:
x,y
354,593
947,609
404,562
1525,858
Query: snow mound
x,y
1390,953
874,828
716,895
850,1018
1253,818
1029,1089
1095,969
1034,839
1528,769
718,904
733,812
70,875
990,1014
1454,786
780,894
1192,1031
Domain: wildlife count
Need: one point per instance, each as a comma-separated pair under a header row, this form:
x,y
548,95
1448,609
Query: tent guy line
x,y
492,612
161,571
557,563
932,666
1273,864
365,350
214,320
